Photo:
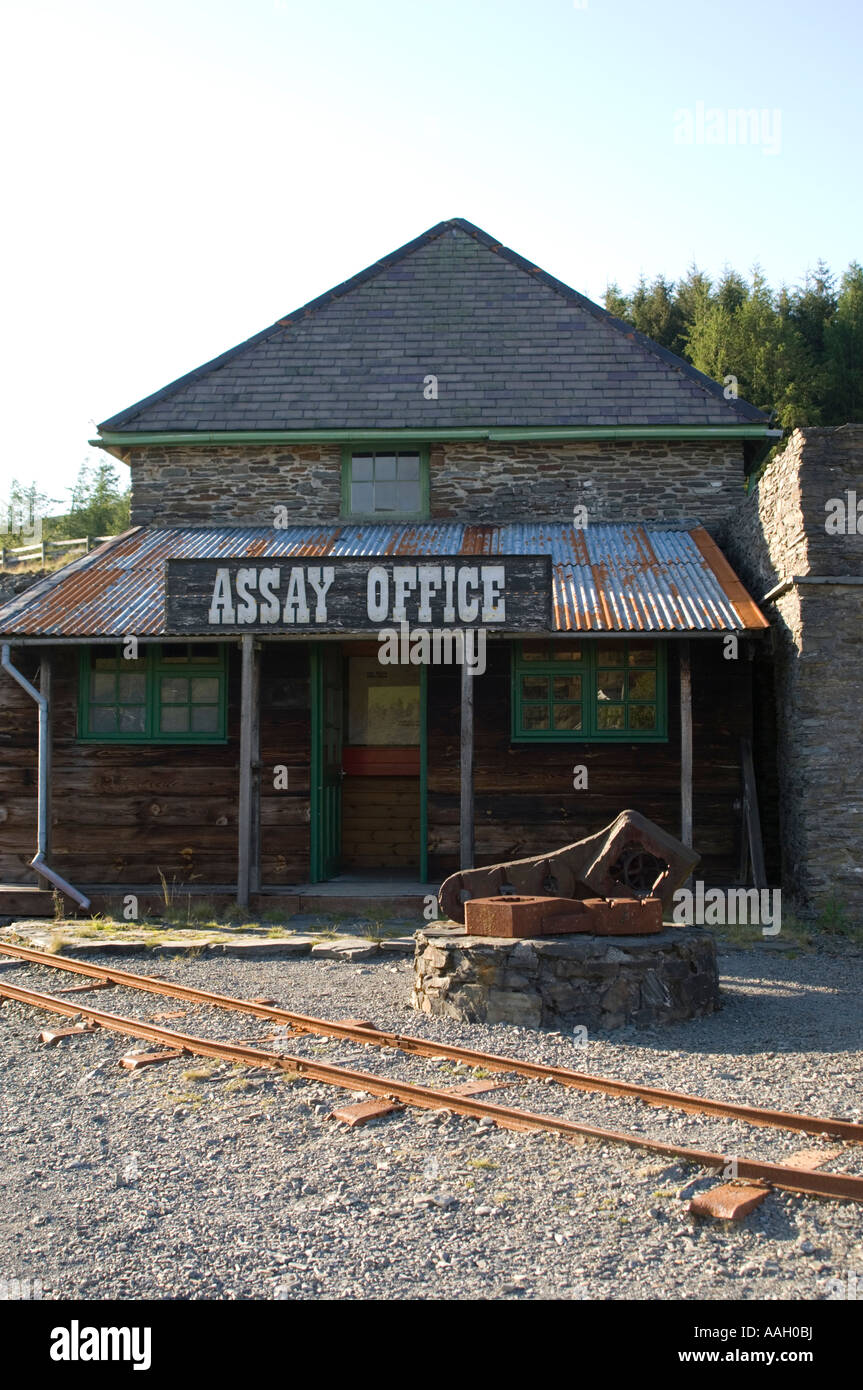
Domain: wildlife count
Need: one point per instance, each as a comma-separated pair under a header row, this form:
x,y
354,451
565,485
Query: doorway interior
x,y
369,764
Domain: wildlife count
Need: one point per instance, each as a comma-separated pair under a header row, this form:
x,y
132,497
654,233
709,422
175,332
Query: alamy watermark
x,y
715,125
844,515
419,646
720,907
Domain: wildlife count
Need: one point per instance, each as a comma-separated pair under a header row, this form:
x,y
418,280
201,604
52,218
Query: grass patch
x,y
190,1098
378,931
198,1074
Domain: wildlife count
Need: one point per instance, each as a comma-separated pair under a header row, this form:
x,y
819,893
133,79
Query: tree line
x,y
98,506
795,353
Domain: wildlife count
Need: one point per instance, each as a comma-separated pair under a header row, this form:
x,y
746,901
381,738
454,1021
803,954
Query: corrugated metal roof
x,y
605,578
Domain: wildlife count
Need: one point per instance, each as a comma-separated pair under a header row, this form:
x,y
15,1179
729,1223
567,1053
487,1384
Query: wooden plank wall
x,y
381,823
525,802
123,812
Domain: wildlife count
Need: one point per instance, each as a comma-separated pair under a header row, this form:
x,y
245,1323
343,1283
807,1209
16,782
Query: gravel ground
x,y
195,1180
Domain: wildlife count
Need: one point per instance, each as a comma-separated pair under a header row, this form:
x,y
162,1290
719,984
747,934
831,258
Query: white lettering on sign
x,y
475,591
398,593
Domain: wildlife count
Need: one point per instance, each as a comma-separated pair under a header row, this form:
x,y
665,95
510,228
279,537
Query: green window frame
x,y
169,693
593,691
378,463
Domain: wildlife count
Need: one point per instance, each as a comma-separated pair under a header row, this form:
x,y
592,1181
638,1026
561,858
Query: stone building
x,y
451,440
798,542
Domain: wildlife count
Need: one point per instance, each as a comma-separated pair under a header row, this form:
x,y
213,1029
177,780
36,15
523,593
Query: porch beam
x,y
466,818
685,744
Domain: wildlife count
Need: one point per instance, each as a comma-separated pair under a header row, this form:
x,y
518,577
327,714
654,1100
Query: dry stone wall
x,y
781,534
657,482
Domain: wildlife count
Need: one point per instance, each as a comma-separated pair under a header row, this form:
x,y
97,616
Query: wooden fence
x,y
42,551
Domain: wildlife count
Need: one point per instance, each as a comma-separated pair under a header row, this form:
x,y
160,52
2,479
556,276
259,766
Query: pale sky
x,y
180,173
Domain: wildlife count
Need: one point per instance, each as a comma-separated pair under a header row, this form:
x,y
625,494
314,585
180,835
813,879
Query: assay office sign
x,y
351,594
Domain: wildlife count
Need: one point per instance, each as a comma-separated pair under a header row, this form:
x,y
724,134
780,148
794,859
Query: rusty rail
x,y
535,1071
812,1183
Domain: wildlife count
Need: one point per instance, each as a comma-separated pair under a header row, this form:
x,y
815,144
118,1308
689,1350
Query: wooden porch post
x,y
248,805
685,744
45,671
466,830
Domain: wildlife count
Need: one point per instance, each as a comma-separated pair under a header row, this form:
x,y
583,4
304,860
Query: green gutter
x,y
132,440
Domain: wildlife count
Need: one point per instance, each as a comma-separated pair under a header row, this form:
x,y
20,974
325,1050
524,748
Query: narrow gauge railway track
x,y
784,1176
534,1071
841,1185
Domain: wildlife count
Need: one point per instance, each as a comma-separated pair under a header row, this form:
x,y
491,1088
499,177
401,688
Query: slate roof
x,y
509,344
603,579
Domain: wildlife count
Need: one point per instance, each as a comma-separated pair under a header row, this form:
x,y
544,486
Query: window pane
x,y
175,719
175,690
534,716
205,690
609,685
561,651
534,651
105,658
102,687
610,656
176,651
361,497
103,720
361,468
408,497
642,653
385,497
205,719
642,685
567,687
409,466
132,690
385,468
609,717
642,716
567,716
132,719
383,703
206,652
534,687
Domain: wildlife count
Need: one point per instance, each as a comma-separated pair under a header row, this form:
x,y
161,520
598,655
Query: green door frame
x,y
321,804
316,797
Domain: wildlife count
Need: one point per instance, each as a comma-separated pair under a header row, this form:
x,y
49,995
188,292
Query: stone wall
x,y
655,482
597,982
779,534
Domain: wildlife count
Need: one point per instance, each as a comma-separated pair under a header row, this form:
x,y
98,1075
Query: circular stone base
x,y
598,981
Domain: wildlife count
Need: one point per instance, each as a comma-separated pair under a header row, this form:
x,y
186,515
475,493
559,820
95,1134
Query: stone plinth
x,y
567,980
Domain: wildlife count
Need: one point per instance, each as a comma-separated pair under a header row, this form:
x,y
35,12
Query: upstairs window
x,y
589,691
170,693
385,483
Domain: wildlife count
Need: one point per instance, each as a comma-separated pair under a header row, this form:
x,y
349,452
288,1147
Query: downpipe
x,y
38,862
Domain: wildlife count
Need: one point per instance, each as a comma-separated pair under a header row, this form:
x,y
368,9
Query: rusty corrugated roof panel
x,y
605,578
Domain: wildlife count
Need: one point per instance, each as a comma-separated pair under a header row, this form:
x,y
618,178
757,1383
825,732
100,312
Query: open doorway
x,y
368,764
